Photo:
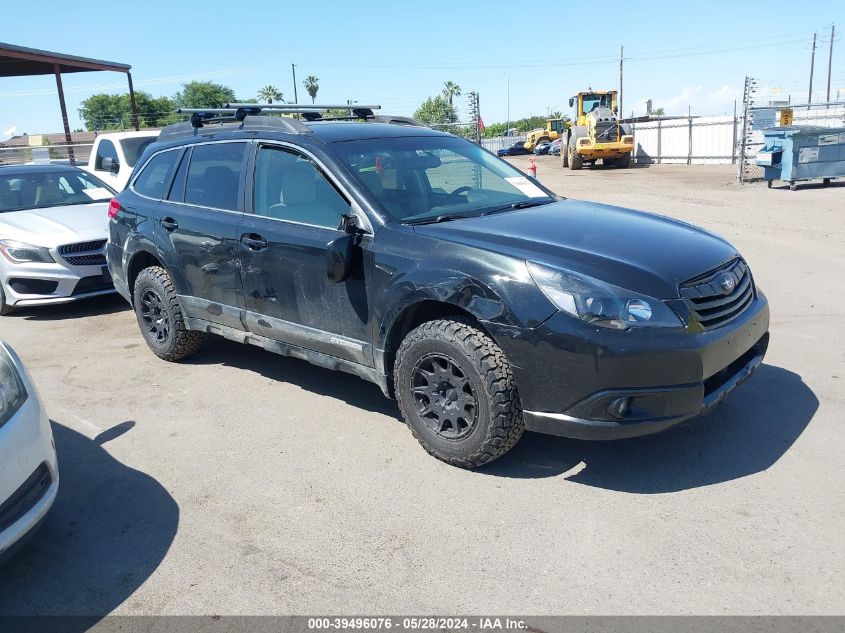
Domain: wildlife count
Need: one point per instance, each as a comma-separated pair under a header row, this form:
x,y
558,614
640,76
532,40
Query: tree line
x,y
114,111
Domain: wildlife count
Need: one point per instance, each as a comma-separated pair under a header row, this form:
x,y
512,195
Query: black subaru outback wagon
x,y
484,303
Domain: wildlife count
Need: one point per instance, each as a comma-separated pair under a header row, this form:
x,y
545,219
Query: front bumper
x,y
599,384
29,476
605,150
25,284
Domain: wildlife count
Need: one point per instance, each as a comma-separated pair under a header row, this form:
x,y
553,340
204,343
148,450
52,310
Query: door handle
x,y
169,224
253,242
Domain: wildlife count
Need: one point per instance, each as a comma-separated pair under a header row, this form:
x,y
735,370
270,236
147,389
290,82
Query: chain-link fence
x,y
73,154
758,117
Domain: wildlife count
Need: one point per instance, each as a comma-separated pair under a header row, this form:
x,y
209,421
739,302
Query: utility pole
x,y
621,57
293,70
812,66
830,59
508,124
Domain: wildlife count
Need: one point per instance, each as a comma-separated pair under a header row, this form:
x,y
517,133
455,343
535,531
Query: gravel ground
x,y
246,483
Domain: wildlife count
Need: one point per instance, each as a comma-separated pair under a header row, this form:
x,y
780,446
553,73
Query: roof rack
x,y
248,118
312,112
248,115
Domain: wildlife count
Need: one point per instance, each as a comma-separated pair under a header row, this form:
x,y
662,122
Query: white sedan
x,y
29,476
53,231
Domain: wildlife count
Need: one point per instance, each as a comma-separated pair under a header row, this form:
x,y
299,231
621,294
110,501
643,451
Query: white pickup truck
x,y
114,155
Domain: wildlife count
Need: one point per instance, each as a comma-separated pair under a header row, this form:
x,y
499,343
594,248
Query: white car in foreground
x,y
53,231
29,476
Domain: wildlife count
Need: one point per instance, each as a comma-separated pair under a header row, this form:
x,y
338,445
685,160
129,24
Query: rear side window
x,y
153,179
134,147
105,149
214,175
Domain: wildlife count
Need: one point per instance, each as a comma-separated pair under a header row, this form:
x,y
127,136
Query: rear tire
x,y
160,316
457,393
623,162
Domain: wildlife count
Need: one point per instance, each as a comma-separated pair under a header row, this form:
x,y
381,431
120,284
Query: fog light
x,y
619,408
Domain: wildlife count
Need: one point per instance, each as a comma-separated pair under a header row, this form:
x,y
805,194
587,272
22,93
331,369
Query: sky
x,y
523,58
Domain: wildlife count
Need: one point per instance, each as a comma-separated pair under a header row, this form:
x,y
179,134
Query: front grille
x,y
84,253
720,296
605,131
25,497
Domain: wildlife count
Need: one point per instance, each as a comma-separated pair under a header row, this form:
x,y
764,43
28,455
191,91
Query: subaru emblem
x,y
727,283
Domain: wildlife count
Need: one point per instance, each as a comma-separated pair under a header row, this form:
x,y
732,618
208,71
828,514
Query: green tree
x,y
203,94
270,94
436,111
312,85
450,90
657,112
114,112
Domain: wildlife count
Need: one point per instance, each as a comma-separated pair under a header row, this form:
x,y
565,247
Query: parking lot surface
x,y
241,482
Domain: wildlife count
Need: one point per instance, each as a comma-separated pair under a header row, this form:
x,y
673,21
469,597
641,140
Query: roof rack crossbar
x,y
249,121
302,107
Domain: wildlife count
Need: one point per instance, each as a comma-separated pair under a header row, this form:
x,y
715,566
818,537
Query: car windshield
x,y
36,189
423,179
133,147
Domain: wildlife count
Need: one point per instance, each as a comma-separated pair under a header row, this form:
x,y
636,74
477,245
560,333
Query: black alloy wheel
x,y
154,316
444,397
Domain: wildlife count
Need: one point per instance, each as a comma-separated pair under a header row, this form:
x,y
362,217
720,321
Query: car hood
x,y
53,226
639,251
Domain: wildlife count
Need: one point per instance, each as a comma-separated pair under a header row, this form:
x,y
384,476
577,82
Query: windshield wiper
x,y
445,217
522,204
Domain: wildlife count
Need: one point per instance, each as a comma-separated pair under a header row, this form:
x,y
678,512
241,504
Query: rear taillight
x,y
114,207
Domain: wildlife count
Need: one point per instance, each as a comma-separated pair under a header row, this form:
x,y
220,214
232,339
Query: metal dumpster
x,y
802,152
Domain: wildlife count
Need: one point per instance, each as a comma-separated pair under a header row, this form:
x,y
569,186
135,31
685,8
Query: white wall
x,y
712,140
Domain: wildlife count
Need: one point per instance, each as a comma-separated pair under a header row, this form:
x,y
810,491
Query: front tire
x,y
160,316
576,161
457,393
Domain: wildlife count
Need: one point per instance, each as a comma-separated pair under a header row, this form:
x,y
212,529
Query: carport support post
x,y
132,102
58,71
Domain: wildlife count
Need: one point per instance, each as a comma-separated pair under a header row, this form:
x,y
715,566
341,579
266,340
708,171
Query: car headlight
x,y
600,303
12,391
19,252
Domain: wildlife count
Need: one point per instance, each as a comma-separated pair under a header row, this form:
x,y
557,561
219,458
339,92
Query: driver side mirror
x,y
111,165
571,102
342,253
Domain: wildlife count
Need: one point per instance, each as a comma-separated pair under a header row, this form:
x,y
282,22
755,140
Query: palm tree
x,y
270,94
312,86
451,89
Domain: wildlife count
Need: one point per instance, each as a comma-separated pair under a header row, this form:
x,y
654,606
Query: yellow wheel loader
x,y
596,132
555,128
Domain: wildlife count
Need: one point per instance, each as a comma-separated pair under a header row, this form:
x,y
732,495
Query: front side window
x,y
105,149
421,178
291,187
214,175
153,179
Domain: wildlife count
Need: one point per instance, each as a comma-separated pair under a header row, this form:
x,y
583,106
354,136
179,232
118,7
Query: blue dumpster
x,y
802,152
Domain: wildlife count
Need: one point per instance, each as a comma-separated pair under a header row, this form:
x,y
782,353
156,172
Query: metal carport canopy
x,y
19,61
